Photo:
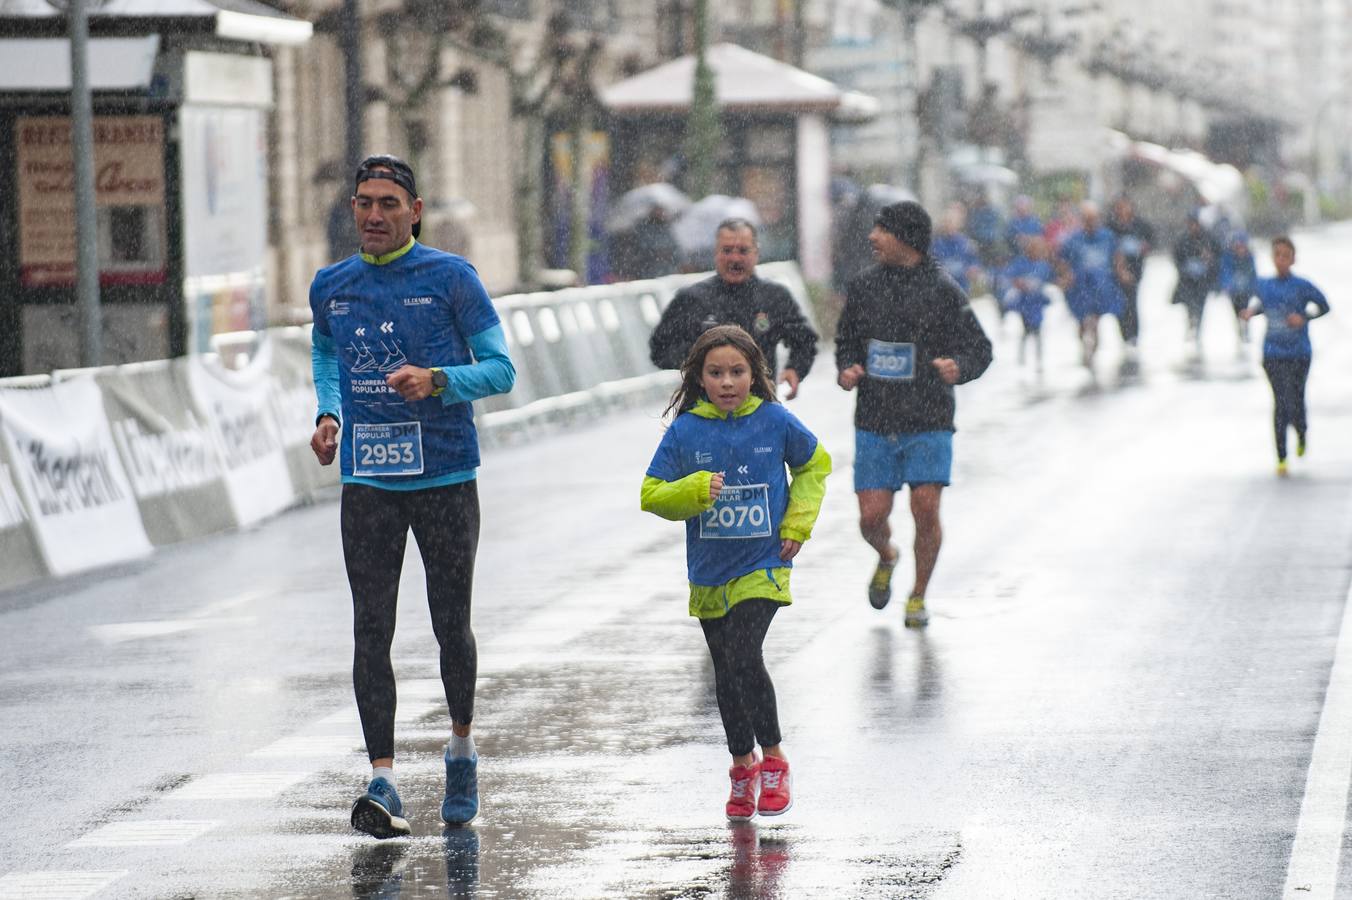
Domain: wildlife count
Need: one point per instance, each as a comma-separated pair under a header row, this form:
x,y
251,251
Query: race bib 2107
x,y
890,361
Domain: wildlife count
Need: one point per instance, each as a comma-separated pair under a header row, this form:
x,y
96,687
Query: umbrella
x,y
695,228
987,173
634,206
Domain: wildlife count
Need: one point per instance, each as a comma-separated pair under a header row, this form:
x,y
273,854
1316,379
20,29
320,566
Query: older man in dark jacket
x,y
735,296
906,336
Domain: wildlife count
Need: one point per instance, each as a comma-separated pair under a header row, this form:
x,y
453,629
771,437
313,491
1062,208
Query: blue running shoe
x,y
462,790
379,812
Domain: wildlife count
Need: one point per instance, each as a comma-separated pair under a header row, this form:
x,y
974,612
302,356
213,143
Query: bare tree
x,y
548,66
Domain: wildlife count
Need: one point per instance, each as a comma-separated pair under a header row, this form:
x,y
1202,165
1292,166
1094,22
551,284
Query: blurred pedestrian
x,y
1238,277
1135,240
1197,257
405,338
649,249
1023,224
1029,274
734,295
1063,223
954,251
745,521
1088,272
1289,302
907,334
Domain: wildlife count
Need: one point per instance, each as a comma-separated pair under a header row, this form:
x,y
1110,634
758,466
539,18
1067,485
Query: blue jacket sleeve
x,y
324,366
491,372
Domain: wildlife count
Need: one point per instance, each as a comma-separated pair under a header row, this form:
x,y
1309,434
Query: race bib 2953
x,y
393,448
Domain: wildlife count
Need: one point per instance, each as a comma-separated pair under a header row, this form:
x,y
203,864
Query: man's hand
x,y
1296,320
850,377
948,370
324,442
412,382
790,377
788,549
715,485
1246,314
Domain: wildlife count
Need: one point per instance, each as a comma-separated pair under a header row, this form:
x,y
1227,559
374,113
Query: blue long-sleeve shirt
x,y
1280,297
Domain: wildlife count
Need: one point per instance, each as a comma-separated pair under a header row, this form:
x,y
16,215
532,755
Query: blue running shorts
x,y
885,462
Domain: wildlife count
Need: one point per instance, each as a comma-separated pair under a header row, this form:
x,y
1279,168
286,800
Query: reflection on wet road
x,y
1133,627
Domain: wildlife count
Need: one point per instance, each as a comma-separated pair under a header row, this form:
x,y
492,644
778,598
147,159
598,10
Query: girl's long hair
x,y
691,390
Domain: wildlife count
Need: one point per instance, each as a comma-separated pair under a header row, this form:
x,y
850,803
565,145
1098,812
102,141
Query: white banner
x,y
235,406
167,450
61,454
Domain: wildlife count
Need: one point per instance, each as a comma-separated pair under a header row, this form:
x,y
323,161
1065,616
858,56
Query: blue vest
x,y
740,533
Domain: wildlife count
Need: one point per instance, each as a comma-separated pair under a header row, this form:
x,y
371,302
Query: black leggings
x,y
746,696
375,525
1288,378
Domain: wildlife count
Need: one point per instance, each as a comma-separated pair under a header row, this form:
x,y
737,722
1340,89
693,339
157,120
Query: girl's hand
x,y
1295,320
715,485
789,549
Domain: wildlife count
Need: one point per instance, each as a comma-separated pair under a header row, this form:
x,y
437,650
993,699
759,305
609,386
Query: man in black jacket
x,y
735,296
906,335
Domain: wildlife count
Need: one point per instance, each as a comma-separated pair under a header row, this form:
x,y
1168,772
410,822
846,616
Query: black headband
x,y
390,168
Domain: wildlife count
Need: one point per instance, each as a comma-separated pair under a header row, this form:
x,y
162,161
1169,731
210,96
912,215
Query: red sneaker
x,y
745,789
775,781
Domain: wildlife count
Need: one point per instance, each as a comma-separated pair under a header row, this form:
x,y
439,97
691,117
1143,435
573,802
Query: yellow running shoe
x,y
916,614
880,586
1300,445
1281,468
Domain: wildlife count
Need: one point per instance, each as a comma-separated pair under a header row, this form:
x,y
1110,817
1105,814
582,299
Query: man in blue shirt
x,y
405,338
1289,302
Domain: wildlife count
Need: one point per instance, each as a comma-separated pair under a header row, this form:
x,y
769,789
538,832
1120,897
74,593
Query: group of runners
x,y
742,473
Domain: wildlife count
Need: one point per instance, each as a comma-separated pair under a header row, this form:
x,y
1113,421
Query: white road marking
x,y
1313,870
118,632
55,885
237,786
310,745
148,833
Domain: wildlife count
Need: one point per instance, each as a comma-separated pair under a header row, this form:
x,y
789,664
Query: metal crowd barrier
x,y
99,466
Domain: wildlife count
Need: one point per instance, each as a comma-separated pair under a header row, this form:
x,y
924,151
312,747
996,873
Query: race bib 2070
x,y
741,511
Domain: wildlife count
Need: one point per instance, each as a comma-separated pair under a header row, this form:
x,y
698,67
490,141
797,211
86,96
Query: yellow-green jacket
x,y
733,542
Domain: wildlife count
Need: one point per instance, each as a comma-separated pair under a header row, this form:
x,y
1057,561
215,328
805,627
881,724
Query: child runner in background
x,y
1289,302
1238,277
1028,275
720,468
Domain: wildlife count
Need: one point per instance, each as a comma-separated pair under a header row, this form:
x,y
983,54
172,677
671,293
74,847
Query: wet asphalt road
x,y
1134,625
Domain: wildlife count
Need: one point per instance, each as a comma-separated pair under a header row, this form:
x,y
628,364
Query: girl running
x,y
720,468
1289,302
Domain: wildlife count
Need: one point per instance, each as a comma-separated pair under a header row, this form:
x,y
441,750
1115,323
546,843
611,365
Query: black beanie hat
x,y
909,222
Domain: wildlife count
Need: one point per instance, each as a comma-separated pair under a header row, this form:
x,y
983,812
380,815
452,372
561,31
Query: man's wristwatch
x,y
439,381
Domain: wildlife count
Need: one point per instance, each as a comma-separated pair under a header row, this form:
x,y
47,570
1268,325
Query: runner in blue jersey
x,y
405,338
722,468
1289,302
1090,262
1028,275
1238,277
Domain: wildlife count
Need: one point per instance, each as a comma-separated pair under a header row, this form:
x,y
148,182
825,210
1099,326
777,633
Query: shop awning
x,y
743,81
43,64
238,20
